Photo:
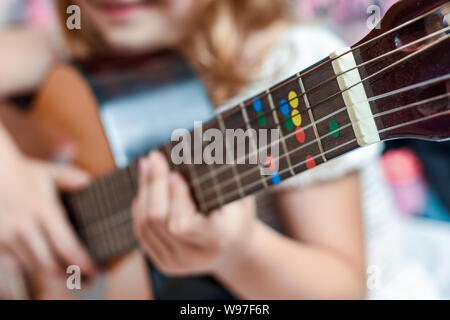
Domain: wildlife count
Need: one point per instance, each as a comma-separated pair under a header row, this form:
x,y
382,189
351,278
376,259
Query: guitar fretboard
x,y
313,129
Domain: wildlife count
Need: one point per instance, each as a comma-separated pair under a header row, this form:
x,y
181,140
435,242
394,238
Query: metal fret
x,y
283,141
311,117
195,185
213,175
194,181
254,145
233,165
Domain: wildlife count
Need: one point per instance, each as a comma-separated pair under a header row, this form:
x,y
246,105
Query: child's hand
x,y
34,231
178,239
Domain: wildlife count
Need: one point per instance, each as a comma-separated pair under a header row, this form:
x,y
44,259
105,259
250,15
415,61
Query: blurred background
x,y
417,174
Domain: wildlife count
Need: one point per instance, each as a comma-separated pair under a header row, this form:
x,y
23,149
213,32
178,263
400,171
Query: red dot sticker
x,y
310,162
270,162
300,134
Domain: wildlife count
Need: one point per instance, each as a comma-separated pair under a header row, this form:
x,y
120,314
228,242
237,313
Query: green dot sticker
x,y
289,124
334,128
262,121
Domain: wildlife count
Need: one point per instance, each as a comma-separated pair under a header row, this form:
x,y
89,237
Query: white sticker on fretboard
x,y
355,97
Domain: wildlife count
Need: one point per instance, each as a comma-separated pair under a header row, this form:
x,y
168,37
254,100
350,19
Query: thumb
x,y
68,177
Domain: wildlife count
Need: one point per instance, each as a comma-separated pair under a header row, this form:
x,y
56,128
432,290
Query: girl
x,y
237,48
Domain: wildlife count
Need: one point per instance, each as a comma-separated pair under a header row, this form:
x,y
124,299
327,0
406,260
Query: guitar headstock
x,y
406,61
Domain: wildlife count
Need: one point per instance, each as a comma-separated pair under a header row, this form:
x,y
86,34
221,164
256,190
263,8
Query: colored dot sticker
x,y
262,120
257,105
284,107
300,134
296,118
334,128
289,124
293,100
310,162
270,163
276,179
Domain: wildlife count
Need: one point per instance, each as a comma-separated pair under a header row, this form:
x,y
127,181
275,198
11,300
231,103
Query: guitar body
x,y
395,83
65,114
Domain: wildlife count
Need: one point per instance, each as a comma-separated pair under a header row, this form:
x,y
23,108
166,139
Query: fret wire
x,y
198,192
343,54
107,204
349,124
352,50
227,147
106,226
126,203
292,134
277,122
311,116
109,182
231,194
376,116
415,53
286,82
254,145
193,177
307,144
213,176
354,140
367,78
115,207
103,245
386,129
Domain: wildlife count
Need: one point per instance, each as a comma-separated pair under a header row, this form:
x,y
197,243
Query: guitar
x,y
394,83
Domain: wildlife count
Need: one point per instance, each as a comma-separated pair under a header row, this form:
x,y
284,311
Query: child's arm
x,y
25,57
325,261
34,231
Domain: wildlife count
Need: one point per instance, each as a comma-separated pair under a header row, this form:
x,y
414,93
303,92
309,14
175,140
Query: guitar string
x,y
390,31
372,99
370,77
108,227
345,126
373,40
204,177
383,71
247,186
246,104
320,84
303,113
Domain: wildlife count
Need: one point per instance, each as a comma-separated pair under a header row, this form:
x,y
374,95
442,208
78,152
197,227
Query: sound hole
x,y
432,23
435,106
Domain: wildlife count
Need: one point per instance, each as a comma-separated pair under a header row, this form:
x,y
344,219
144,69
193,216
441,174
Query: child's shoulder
x,y
304,45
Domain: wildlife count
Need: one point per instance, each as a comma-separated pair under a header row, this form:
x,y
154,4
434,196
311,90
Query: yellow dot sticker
x,y
296,118
293,99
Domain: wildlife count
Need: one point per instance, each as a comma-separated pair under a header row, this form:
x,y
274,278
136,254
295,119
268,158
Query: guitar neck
x,y
309,136
355,97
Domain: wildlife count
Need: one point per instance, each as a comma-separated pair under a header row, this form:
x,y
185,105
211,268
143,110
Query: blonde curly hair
x,y
214,47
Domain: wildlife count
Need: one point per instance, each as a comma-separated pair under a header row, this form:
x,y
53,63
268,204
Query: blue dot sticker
x,y
276,179
284,106
257,105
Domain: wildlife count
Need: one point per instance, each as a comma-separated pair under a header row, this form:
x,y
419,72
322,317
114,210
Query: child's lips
x,y
123,10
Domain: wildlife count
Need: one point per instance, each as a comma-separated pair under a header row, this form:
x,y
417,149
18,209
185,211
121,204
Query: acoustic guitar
x,y
394,83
